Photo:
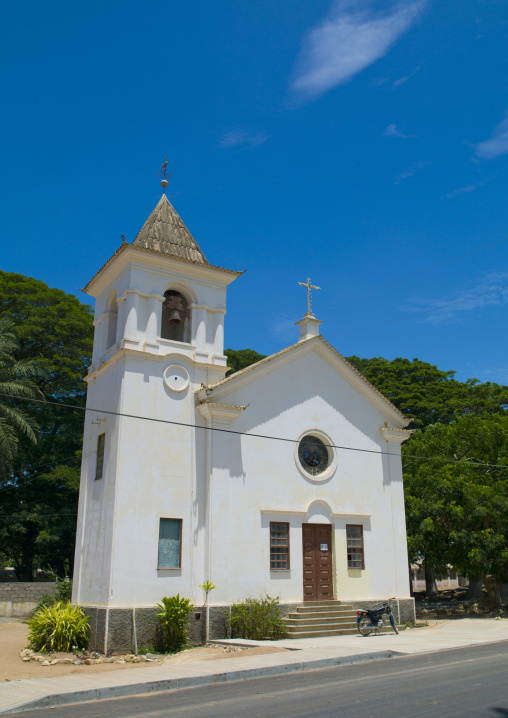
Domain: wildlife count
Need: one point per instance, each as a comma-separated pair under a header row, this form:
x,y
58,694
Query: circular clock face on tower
x,y
313,455
176,378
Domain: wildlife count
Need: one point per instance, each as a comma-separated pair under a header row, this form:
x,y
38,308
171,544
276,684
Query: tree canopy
x,y
16,381
429,395
457,513
57,330
241,358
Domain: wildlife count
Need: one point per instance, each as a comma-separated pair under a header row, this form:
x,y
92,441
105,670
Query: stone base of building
x,y
124,630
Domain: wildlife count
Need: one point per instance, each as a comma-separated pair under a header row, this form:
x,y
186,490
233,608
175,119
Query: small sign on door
x,y
324,547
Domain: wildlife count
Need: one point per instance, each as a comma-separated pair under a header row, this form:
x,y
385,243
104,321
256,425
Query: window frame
x,y
100,456
362,547
170,568
288,555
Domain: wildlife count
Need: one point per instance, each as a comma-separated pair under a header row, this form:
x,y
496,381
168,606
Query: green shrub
x,y
257,619
63,592
173,619
60,627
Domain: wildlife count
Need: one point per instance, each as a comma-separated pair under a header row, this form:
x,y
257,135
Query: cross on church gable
x,y
309,286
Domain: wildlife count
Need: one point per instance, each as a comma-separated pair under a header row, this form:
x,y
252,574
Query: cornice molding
x,y
304,512
145,259
225,413
396,436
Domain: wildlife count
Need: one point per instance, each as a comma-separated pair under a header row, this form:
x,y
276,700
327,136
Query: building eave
x,y
203,268
356,378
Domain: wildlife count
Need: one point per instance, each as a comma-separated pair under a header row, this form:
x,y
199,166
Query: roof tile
x,y
165,232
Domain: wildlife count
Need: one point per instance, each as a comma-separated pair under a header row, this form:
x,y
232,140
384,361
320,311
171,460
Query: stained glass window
x,y
313,455
170,539
279,546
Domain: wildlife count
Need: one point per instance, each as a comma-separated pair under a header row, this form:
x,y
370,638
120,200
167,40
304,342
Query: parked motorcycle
x,y
369,619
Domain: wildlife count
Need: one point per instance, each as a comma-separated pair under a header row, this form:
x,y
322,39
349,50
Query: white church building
x,y
283,478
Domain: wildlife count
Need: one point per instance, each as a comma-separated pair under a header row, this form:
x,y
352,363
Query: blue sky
x,y
351,141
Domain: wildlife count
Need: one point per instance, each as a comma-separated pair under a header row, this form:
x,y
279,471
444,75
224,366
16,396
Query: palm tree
x,y
16,381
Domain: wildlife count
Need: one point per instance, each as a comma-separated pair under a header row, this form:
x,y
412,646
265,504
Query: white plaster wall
x,y
263,475
97,498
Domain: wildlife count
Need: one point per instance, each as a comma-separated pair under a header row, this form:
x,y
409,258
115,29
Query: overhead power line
x,y
245,433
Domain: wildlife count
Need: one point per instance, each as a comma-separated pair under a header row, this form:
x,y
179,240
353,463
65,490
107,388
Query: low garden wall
x,y
19,599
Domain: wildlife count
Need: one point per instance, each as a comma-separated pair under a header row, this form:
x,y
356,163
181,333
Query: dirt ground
x,y
13,638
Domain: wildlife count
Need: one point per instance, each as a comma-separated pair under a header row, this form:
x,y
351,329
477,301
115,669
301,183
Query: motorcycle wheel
x,y
365,627
394,625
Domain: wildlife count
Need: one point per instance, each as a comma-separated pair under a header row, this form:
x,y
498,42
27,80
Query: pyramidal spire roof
x,y
165,232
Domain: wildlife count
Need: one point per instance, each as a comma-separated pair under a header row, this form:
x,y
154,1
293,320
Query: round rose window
x,y
313,455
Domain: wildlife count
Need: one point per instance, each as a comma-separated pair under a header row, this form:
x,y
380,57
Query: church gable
x,y
238,384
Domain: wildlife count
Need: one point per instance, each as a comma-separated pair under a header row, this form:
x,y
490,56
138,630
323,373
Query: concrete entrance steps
x,y
323,618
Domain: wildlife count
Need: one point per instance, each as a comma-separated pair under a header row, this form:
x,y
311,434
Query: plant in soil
x,y
257,619
173,619
63,592
60,627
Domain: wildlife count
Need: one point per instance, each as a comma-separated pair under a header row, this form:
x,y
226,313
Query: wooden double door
x,y
317,562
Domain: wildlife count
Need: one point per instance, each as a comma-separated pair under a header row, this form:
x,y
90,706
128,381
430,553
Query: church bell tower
x,y
159,337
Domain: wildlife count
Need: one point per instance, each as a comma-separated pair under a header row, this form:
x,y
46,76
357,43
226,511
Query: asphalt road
x,y
462,682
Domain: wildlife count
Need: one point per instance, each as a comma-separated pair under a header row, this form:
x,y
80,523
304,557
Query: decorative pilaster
x,y
153,321
199,317
131,317
218,344
393,464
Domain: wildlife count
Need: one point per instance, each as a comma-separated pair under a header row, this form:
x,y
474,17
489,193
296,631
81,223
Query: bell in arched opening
x,y
175,317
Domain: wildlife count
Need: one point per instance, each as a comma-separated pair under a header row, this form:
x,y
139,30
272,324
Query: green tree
x,y
457,513
16,381
241,358
429,395
57,329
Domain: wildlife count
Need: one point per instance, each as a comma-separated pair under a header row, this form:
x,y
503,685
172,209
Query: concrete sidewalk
x,y
306,654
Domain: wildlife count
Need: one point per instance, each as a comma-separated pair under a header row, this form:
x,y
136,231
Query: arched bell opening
x,y
175,323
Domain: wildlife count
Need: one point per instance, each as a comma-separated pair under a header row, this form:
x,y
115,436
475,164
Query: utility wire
x,y
256,436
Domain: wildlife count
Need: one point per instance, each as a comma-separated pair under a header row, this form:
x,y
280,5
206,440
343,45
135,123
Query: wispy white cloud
x,y
403,80
353,36
495,373
485,294
283,327
239,136
393,131
497,145
379,82
460,190
415,167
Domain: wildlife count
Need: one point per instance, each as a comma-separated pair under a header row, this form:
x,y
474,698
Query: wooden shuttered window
x,y
170,543
355,553
99,464
279,546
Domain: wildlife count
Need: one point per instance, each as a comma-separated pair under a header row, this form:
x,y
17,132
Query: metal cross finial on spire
x,y
309,287
164,180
